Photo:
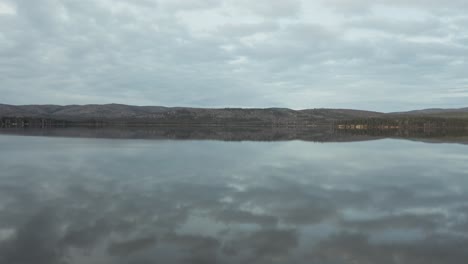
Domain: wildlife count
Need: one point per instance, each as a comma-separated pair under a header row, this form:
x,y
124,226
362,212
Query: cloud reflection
x,y
284,202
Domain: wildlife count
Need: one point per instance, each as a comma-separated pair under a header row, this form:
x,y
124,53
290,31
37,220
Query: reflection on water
x,y
325,133
83,201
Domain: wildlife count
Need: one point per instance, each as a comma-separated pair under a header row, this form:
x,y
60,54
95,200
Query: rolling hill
x,y
158,114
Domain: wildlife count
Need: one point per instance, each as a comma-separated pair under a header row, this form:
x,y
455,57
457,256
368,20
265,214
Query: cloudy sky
x,y
372,54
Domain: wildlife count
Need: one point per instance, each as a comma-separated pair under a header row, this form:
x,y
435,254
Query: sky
x,y
383,55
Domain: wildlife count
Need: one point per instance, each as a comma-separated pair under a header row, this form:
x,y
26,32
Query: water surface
x,y
103,201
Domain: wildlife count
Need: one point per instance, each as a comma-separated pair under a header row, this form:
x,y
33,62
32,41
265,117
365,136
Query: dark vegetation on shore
x,y
114,114
125,115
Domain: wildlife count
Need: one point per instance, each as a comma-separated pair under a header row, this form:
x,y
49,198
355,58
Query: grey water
x,y
103,201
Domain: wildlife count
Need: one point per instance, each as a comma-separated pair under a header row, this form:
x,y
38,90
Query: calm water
x,y
87,201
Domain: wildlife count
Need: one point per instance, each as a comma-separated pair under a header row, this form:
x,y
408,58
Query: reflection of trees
x,y
405,126
262,133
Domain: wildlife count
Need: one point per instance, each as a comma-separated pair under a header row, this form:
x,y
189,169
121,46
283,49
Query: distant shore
x,y
127,115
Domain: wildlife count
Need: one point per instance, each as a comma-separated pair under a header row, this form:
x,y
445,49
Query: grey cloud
x,y
246,29
277,9
181,5
252,53
365,6
426,27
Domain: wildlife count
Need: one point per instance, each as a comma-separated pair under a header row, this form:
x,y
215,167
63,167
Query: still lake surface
x,y
103,201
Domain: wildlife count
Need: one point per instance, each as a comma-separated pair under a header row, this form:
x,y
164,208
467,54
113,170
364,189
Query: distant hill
x,y
127,114
437,112
172,115
79,111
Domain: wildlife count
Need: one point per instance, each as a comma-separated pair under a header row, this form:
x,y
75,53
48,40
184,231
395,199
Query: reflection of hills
x,y
435,135
317,134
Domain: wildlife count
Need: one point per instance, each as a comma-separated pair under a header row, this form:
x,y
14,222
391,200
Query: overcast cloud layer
x,y
382,55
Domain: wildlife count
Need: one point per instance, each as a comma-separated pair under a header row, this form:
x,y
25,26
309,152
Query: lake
x,y
103,201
